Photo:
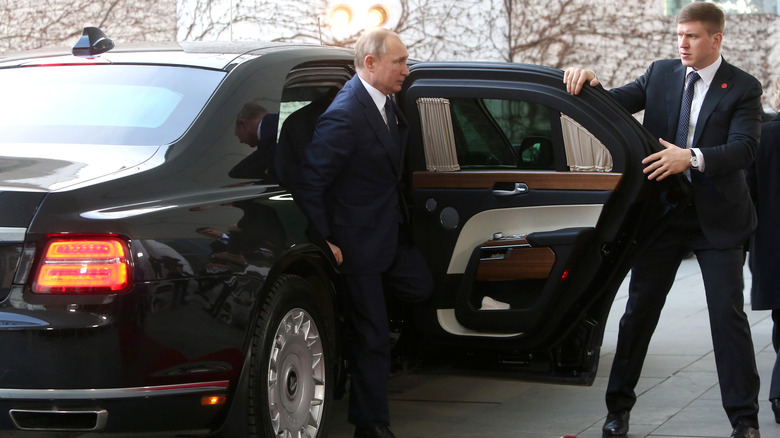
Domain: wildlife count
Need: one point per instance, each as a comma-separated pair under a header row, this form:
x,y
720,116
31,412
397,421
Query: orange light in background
x,y
213,400
376,16
341,16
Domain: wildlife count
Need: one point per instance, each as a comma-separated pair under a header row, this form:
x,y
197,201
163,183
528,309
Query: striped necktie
x,y
684,124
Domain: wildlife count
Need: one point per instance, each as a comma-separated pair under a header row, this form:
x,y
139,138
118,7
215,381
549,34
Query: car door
x,y
528,205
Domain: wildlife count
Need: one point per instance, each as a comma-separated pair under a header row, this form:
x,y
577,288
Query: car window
x,y
501,133
102,104
308,92
298,98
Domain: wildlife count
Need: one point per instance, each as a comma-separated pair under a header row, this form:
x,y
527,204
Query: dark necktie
x,y
392,123
681,139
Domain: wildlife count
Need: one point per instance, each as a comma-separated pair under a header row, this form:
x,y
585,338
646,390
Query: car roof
x,y
218,55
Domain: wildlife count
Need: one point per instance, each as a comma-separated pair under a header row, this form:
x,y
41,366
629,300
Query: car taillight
x,y
92,265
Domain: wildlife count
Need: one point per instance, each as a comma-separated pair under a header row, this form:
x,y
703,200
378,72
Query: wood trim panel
x,y
535,180
520,264
507,241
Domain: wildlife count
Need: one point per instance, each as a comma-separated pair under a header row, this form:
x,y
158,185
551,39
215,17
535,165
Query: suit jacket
x,y
727,133
765,182
349,178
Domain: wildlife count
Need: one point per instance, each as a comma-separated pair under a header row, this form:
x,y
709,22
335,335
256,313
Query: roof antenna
x,y
92,42
319,27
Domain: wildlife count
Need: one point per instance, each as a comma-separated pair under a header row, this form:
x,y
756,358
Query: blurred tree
x,y
32,24
617,39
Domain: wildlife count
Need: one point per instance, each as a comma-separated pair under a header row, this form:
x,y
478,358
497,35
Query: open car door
x,y
528,205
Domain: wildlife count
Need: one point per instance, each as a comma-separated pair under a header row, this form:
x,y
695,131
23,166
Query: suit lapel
x,y
675,83
403,133
721,84
377,124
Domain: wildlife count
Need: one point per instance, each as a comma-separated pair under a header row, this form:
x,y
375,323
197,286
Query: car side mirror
x,y
535,153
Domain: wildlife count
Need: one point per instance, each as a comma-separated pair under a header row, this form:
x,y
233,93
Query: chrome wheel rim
x,y
296,377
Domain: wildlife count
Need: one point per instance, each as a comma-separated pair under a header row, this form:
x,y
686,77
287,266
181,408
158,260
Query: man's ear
x,y
369,61
718,37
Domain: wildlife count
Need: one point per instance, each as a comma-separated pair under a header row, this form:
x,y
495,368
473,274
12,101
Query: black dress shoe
x,y
742,430
616,425
776,409
373,432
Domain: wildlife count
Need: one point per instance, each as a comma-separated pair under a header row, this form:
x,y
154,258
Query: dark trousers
x,y
651,278
407,279
774,387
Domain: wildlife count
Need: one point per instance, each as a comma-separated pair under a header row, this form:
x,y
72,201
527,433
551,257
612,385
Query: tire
x,y
291,384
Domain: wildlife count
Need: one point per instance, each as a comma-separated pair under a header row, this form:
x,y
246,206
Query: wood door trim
x,y
519,264
535,180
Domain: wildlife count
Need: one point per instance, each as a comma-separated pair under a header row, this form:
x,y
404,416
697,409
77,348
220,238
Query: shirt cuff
x,y
700,157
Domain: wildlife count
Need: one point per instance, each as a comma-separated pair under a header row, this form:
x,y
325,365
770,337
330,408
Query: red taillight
x,y
83,266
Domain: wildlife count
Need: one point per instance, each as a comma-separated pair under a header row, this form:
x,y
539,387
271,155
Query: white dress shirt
x,y
378,97
707,74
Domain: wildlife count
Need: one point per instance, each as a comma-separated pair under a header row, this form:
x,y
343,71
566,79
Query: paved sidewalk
x,y
678,391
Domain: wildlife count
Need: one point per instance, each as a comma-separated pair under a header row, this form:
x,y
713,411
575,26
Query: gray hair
x,y
371,43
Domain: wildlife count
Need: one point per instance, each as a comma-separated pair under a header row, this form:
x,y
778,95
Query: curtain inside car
x,y
438,136
584,153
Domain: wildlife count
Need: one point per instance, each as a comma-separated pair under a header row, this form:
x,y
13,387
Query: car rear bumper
x,y
154,408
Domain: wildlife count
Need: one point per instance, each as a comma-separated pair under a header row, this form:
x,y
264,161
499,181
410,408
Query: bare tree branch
x,y
30,24
616,39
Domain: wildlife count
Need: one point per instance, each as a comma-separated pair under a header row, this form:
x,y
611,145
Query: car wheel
x,y
290,389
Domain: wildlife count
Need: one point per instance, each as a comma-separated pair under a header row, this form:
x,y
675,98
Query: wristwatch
x,y
694,159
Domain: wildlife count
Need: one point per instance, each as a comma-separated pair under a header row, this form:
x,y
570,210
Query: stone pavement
x,y
678,391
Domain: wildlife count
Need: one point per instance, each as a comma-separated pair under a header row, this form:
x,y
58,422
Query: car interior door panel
x,y
541,272
517,221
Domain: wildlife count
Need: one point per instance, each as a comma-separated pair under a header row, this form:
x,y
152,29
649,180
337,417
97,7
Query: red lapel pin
x,y
723,85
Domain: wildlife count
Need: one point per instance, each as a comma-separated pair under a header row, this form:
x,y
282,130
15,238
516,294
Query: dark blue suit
x,y
715,228
348,187
727,133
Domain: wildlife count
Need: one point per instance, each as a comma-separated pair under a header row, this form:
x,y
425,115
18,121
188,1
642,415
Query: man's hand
x,y
575,78
336,253
669,161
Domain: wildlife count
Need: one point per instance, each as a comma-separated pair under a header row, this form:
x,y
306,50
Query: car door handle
x,y
519,189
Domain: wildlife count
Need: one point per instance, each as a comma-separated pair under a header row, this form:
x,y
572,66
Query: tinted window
x,y
102,104
497,133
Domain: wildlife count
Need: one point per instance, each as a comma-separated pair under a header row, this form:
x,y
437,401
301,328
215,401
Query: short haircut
x,y
709,14
251,110
371,43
